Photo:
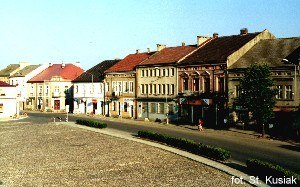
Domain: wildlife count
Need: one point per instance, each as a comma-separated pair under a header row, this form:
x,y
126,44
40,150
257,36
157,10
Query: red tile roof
x,y
4,84
218,49
169,55
129,62
69,72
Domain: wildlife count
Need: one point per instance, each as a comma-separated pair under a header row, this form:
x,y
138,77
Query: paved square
x,y
58,155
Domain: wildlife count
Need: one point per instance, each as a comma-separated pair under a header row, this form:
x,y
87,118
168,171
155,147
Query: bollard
x,y
66,119
54,119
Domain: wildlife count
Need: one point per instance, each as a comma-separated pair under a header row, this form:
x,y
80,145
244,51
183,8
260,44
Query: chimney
x,y
148,50
201,39
244,31
183,44
77,64
160,47
137,51
215,35
63,65
50,64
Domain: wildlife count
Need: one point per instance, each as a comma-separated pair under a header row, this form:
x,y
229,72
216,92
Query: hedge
x,y
188,145
91,123
262,169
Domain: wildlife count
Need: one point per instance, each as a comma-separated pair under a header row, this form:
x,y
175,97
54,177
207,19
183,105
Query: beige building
x,y
120,89
51,90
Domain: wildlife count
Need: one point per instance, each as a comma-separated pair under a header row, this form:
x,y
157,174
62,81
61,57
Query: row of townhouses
x,y
185,82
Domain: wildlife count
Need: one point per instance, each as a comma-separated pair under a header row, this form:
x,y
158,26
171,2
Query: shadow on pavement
x,y
291,147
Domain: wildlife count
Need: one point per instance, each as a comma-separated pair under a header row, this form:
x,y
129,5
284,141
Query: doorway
x,y
56,104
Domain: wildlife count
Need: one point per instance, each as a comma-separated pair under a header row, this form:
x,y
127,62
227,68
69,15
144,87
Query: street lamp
x,y
286,61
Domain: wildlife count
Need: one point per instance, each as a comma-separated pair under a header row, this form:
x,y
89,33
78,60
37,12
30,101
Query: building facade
x,y
9,106
120,89
203,76
89,89
157,89
51,90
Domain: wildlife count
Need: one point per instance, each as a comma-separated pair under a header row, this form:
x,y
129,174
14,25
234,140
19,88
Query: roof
x,y
218,49
129,62
271,52
4,84
69,72
169,55
96,72
9,69
25,71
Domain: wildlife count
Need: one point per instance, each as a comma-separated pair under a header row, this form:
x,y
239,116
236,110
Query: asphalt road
x,y
241,147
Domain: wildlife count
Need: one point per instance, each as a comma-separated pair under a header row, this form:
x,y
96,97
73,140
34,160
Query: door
x,y
56,104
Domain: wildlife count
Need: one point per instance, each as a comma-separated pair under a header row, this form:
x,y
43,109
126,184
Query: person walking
x,y
200,124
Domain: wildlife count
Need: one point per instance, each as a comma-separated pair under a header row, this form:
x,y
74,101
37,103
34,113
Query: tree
x,y
257,93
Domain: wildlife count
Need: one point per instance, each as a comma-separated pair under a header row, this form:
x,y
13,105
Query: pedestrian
x,y
200,124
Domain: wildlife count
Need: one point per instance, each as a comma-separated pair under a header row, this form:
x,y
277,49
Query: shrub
x,y
262,169
188,145
91,123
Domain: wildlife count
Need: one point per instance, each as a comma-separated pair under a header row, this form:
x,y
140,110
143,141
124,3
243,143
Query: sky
x,y
90,31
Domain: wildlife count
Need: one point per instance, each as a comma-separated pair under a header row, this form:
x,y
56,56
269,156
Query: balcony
x,y
57,94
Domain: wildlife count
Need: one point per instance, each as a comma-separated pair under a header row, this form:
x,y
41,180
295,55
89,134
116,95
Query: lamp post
x,y
286,61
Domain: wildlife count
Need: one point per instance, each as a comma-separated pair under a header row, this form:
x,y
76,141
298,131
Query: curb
x,y
203,160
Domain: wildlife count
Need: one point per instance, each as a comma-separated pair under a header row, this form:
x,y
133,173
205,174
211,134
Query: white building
x,y
20,78
8,101
89,90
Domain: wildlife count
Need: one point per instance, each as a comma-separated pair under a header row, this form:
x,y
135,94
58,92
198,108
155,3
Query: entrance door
x,y
94,108
56,104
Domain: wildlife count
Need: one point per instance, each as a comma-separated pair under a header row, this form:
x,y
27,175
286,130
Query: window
x,y
161,108
163,72
31,90
221,84
172,89
66,89
153,108
47,90
154,72
131,87
114,106
114,86
119,89
142,73
145,107
237,91
154,88
40,90
142,89
125,106
56,89
150,88
92,88
1,107
158,72
76,88
163,90
146,73
172,72
158,89
167,72
47,103
279,92
168,89
150,73
107,86
125,87
207,84
288,92
196,84
171,107
146,89
186,84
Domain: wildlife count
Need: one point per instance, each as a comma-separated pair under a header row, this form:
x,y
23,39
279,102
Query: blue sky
x,y
90,31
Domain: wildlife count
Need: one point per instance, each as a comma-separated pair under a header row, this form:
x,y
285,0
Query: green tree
x,y
257,93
